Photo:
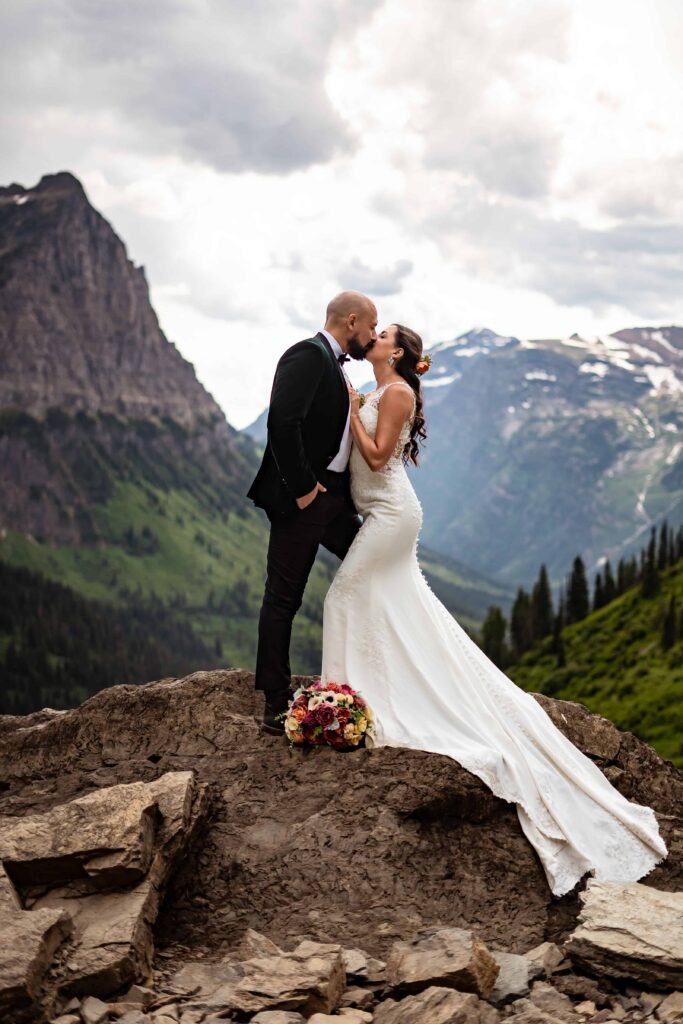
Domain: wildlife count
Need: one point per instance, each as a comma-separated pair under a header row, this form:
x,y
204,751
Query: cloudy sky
x,y
509,163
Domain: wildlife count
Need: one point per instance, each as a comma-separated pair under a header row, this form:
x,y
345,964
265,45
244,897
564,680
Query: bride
x,y
430,686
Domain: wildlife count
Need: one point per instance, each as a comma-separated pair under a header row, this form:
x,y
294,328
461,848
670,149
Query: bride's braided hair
x,y
411,343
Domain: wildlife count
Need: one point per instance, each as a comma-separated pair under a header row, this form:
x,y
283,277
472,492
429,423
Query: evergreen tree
x,y
557,646
521,630
610,586
493,636
577,594
669,626
541,606
650,584
663,549
598,593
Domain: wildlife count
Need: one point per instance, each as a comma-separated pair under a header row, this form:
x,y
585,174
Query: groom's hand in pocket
x,y
306,499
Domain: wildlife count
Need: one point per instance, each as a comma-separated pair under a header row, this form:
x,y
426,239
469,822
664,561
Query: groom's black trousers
x,y
330,520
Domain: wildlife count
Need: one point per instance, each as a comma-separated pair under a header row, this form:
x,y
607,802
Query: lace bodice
x,y
369,413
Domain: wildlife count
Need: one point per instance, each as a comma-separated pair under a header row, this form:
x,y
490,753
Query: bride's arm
x,y
395,406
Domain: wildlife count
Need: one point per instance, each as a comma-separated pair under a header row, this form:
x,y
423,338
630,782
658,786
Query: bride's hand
x,y
354,399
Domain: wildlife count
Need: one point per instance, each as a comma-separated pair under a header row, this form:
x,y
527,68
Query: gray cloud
x,y
637,264
237,86
373,280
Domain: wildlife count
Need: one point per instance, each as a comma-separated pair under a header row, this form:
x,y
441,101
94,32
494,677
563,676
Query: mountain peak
x,y
62,181
77,330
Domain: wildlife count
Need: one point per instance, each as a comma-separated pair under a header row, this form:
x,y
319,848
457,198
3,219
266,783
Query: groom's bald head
x,y
352,319
341,306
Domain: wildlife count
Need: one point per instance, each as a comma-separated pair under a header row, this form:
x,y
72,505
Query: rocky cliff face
x,y
91,390
77,330
362,849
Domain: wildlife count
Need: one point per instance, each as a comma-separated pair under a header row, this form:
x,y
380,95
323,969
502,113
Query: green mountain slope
x,y
616,665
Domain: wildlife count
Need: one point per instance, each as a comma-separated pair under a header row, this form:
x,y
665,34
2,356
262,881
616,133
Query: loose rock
x,y
671,1008
514,978
444,957
94,1011
547,954
435,1005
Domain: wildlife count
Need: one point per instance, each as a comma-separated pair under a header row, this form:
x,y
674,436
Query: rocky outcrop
x,y
358,871
86,878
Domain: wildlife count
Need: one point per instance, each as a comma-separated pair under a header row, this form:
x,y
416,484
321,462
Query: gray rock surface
x,y
630,931
514,978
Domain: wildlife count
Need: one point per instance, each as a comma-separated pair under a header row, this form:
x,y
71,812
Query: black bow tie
x,y
342,357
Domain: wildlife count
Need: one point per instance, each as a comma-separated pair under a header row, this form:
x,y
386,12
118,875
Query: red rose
x,y
324,714
345,688
343,715
310,720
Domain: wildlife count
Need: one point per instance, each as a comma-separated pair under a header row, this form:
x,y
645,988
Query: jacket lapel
x,y
340,372
332,356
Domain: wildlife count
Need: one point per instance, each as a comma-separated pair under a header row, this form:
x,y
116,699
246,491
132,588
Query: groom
x,y
303,481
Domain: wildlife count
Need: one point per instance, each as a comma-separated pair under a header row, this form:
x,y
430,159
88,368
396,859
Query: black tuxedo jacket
x,y
309,404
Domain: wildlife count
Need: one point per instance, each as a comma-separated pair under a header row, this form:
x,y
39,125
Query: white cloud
x,y
515,163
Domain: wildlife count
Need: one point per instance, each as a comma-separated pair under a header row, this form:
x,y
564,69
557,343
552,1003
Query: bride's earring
x,y
391,360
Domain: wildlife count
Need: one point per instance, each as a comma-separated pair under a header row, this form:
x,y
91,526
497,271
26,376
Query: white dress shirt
x,y
341,459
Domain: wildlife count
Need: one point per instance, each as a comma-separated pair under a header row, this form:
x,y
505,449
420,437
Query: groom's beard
x,y
356,350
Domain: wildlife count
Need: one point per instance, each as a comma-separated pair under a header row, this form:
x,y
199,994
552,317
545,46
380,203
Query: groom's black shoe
x,y
274,706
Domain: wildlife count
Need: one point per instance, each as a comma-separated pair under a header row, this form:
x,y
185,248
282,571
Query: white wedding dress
x,y
431,688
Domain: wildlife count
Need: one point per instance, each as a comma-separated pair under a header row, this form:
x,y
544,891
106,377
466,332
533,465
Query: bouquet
x,y
327,713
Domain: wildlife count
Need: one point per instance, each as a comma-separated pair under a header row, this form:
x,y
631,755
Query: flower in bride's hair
x,y
423,364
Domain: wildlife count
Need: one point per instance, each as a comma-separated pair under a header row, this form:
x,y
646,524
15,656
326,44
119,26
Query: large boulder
x,y
630,931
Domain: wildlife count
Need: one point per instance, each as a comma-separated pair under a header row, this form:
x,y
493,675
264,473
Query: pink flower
x,y
345,688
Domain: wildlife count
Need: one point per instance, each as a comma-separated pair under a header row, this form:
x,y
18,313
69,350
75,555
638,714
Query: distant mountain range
x,y
542,449
123,480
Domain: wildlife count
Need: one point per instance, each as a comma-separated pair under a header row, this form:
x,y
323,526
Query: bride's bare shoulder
x,y
397,394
